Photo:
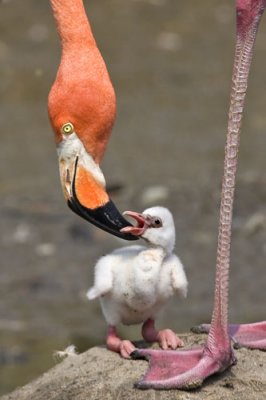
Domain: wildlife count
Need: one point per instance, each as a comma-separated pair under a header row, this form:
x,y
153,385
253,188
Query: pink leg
x,y
252,336
114,343
166,338
187,369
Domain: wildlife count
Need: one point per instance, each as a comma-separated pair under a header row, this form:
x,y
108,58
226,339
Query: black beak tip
x,y
106,217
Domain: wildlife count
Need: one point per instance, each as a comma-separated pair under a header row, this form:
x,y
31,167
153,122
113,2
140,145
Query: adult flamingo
x,y
82,109
188,368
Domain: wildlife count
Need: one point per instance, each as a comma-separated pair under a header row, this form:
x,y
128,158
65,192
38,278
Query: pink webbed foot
x,y
116,344
252,336
166,338
182,369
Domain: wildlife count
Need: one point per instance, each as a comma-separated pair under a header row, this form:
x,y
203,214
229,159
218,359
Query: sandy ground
x,y
99,374
170,62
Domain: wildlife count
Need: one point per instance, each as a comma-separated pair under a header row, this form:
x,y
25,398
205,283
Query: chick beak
x,y
87,198
142,224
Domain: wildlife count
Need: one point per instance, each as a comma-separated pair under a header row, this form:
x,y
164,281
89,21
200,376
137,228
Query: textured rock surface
x,y
99,374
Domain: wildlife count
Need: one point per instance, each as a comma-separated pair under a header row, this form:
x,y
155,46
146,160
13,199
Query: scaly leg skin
x,y
166,337
187,369
252,336
116,344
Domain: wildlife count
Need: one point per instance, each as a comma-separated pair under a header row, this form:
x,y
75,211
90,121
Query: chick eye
x,y
67,128
157,223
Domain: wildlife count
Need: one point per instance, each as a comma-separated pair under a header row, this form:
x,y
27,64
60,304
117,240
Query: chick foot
x,y
116,344
166,338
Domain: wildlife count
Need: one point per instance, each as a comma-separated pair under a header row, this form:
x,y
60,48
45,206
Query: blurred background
x,y
170,62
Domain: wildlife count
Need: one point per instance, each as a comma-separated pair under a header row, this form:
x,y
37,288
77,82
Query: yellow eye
x,y
67,128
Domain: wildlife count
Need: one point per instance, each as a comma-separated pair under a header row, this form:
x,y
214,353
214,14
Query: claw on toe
x,y
167,339
126,349
136,355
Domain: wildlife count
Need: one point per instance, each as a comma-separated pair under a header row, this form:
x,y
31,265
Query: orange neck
x,y
72,23
82,92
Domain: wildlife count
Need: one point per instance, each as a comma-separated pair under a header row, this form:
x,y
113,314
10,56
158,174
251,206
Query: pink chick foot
x,y
116,344
166,338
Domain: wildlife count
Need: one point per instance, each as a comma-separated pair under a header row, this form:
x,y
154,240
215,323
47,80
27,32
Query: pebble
x,y
22,234
254,223
169,41
68,351
45,249
154,194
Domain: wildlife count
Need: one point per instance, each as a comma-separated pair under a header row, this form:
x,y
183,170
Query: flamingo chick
x,y
134,282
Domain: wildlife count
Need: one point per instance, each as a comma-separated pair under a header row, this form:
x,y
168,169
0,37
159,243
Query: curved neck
x,y
72,23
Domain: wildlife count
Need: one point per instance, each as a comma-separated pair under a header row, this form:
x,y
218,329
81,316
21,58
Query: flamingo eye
x,y
157,222
67,128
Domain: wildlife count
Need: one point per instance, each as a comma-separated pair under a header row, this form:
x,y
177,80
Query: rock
x,y
99,374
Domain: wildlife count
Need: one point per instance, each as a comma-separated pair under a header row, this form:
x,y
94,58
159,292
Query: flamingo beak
x,y
88,198
143,223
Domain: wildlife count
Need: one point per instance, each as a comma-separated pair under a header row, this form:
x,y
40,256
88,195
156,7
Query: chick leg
x,y
166,337
116,344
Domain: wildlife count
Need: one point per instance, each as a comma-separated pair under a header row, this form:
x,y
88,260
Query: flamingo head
x,y
81,108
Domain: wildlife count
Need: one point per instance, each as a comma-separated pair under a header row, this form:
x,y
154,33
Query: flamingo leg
x,y
187,369
252,336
